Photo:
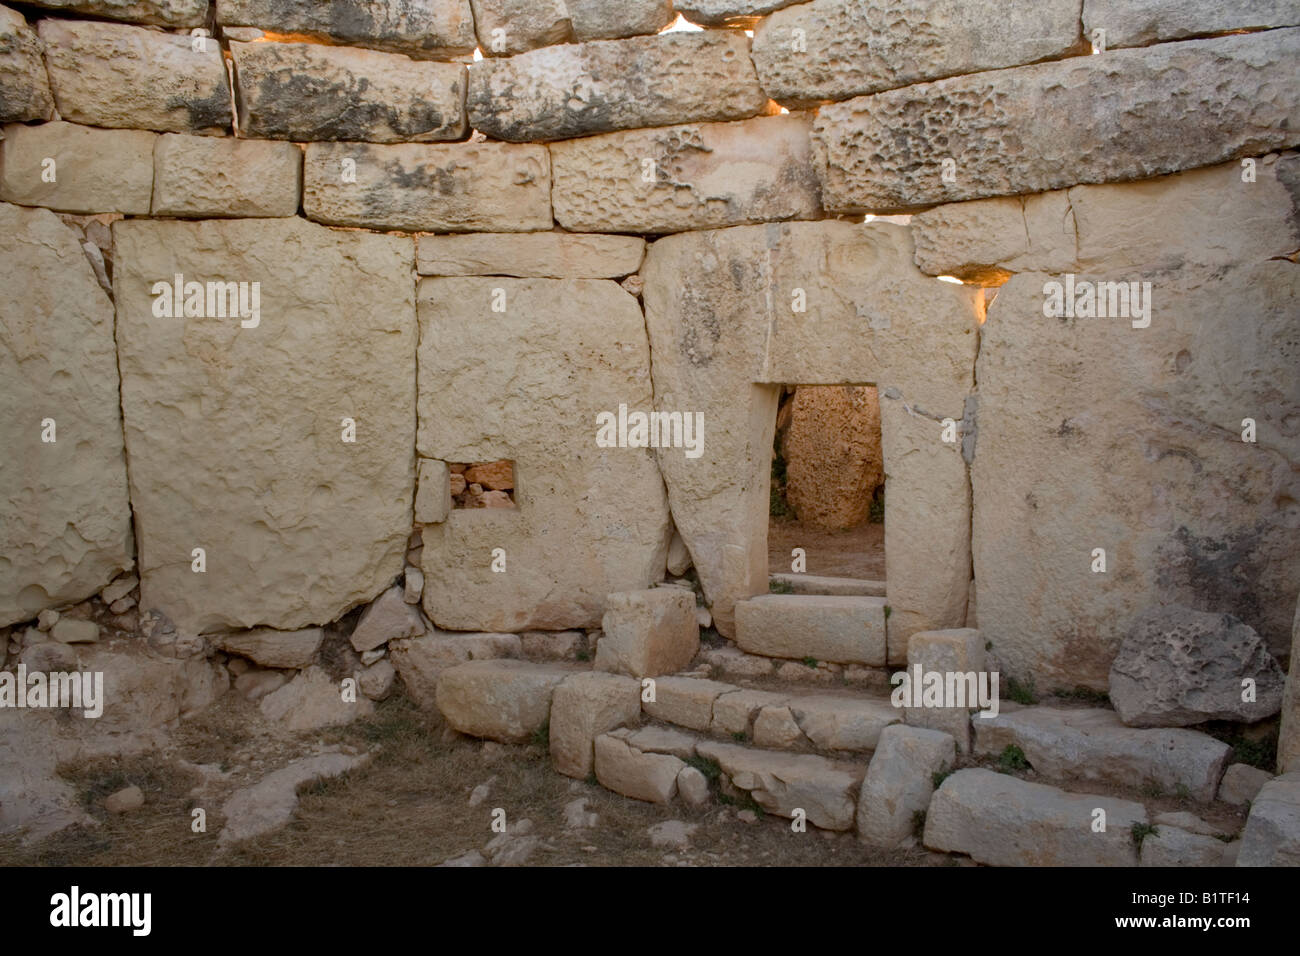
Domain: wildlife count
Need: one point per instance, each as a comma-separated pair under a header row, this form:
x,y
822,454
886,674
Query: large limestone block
x,y
648,633
440,29
65,523
1288,741
835,722
959,651
584,707
1133,114
847,630
1140,22
1179,667
202,177
421,660
94,170
1272,834
602,20
165,13
900,782
563,351
833,462
236,450
782,782
720,313
702,176
474,187
507,27
685,701
542,255
1095,434
834,49
1003,821
1203,218
24,87
502,700
634,773
310,92
1092,744
110,74
581,88
737,14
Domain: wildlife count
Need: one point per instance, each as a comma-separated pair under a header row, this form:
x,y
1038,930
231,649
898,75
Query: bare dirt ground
x,y
856,553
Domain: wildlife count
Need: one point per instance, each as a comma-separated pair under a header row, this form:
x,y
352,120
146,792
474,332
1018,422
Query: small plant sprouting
x,y
939,776
780,587
888,610
1012,758
1021,693
542,735
1141,831
810,662
918,823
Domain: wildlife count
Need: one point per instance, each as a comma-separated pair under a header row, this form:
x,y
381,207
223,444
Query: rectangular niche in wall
x,y
489,484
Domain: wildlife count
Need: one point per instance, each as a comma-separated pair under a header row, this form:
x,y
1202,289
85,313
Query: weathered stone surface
x,y
552,645
1003,821
735,711
781,782
1140,22
73,631
1170,846
848,48
24,87
1241,783
719,312
704,175
584,707
956,651
388,618
1189,822
562,351
202,177
601,20
831,448
582,88
502,700
828,628
420,660
269,804
1178,667
648,633
775,729
737,14
507,27
663,740
118,589
1092,744
310,92
439,29
1201,218
693,787
685,701
1272,834
65,528
311,701
819,584
1169,107
484,187
376,681
834,722
124,801
543,255
165,13
214,413
1288,741
1141,456
900,782
95,170
272,648
110,74
642,776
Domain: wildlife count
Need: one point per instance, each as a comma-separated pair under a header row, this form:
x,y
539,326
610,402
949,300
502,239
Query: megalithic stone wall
x,y
271,453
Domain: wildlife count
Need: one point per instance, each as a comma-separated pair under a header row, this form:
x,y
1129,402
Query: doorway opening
x,y
828,482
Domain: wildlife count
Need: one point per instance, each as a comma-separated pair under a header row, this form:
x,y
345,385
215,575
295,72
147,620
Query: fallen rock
x,y
503,700
648,633
783,782
584,707
693,787
576,816
642,776
1178,666
672,833
376,681
900,782
311,701
389,618
124,801
1241,784
1272,834
269,804
70,630
272,648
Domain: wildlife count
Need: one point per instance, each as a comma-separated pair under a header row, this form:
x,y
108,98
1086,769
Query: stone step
x,y
845,629
823,584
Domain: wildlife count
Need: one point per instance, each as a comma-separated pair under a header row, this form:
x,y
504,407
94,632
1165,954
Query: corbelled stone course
x,y
1170,107
578,89
687,177
235,451
554,255
198,177
110,74
471,187
835,49
24,87
737,14
166,13
310,92
65,528
93,171
1140,22
602,20
418,28
507,27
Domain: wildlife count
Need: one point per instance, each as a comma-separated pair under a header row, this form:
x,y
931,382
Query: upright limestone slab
x,y
525,382
236,434
723,312
24,88
110,74
1125,115
426,29
581,88
65,524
